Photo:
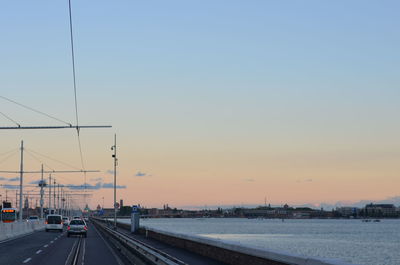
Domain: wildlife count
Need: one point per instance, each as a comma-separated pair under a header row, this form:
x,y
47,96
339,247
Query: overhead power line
x,y
35,110
8,118
73,62
53,159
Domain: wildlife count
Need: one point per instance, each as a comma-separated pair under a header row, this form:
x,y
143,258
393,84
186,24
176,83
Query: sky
x,y
213,102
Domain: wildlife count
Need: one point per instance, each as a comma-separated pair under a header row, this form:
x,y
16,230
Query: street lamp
x,y
114,148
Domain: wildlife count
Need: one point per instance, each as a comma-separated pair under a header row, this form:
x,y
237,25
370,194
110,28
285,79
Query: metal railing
x,y
147,253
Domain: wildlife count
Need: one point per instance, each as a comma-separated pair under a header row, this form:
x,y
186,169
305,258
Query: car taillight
x,y
46,222
85,227
68,228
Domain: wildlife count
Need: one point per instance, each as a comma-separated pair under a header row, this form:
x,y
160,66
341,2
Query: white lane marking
x,y
56,238
70,253
27,260
84,250
45,246
37,252
51,242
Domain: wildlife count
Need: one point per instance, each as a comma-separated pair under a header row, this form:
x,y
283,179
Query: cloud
x,y
96,179
35,182
141,174
3,178
249,180
10,187
97,186
110,171
111,186
87,186
304,180
14,179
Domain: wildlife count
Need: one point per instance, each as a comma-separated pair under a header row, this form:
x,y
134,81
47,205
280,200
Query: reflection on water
x,y
349,240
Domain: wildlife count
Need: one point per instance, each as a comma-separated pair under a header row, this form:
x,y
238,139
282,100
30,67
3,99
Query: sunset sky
x,y
213,102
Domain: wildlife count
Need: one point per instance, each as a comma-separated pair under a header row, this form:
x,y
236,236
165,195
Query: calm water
x,y
348,240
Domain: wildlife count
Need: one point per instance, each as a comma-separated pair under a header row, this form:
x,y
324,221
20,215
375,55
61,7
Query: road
x,y
55,248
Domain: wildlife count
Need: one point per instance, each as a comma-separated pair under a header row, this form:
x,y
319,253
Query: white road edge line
x,y
27,260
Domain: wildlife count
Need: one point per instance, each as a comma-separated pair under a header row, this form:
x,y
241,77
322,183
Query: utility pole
x,y
54,188
41,184
114,147
58,198
21,181
49,193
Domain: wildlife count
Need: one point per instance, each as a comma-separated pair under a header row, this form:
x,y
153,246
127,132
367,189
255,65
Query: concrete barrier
x,y
233,254
17,229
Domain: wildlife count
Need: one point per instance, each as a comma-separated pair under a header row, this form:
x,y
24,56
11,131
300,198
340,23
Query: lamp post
x,y
114,148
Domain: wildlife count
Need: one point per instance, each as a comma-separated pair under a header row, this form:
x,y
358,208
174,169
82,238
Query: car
x,y
65,221
33,218
77,227
54,222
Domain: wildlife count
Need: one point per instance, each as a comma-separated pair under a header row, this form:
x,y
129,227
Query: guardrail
x,y
17,229
131,247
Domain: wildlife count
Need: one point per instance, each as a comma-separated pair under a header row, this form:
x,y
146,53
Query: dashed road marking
x,y
45,246
37,252
27,260
51,242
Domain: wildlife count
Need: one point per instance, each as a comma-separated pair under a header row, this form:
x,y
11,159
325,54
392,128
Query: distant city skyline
x,y
213,102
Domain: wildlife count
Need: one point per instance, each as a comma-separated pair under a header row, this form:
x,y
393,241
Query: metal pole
x,y
21,181
58,199
54,202
41,195
62,203
115,180
49,193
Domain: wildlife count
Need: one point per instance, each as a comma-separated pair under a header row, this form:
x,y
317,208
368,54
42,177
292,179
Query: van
x,y
54,222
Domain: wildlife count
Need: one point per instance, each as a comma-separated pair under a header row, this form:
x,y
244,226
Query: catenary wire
x,y
53,159
8,118
35,110
74,83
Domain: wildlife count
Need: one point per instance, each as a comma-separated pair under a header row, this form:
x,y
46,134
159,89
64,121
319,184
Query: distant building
x,y
348,211
385,210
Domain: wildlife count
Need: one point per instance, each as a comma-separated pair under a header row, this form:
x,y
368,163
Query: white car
x,y
54,222
77,227
33,218
65,221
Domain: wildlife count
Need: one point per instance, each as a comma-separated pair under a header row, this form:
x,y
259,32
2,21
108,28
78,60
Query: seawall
x,y
229,253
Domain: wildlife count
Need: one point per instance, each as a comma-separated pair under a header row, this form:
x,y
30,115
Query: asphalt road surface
x,y
55,248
